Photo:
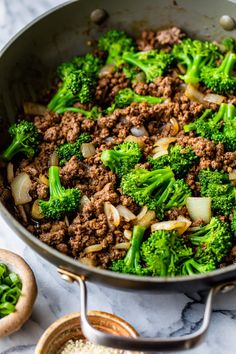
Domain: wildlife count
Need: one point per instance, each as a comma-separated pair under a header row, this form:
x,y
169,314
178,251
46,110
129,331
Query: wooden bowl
x,y
13,322
68,327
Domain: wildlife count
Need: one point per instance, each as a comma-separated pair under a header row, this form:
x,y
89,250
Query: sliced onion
x,y
88,261
170,225
147,219
139,131
66,220
107,69
161,146
36,211
112,215
94,248
135,139
186,221
174,126
232,175
44,180
22,213
87,149
194,228
143,212
122,246
84,201
181,68
214,98
199,208
194,94
34,108
128,234
20,188
10,172
125,212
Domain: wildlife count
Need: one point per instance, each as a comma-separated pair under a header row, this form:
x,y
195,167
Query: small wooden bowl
x,y
68,327
24,306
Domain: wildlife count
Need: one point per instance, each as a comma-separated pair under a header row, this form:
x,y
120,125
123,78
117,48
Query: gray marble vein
x,y
158,315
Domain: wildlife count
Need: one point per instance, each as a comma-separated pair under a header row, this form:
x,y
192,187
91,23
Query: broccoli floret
x,y
65,69
163,251
88,63
179,159
94,113
62,201
192,266
216,185
76,87
194,55
221,79
66,151
132,261
126,96
152,63
25,139
213,241
115,43
122,158
157,189
219,126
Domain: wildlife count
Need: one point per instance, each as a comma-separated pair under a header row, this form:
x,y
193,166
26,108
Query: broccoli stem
x,y
55,186
132,258
11,150
191,126
193,73
149,99
227,64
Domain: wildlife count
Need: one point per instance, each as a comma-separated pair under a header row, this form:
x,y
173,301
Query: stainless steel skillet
x,y
26,66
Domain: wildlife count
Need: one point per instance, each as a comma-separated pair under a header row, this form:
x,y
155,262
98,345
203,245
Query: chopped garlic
x,y
81,346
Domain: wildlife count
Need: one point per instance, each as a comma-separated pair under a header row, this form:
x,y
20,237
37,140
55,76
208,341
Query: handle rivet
x,y
67,278
227,22
227,288
98,16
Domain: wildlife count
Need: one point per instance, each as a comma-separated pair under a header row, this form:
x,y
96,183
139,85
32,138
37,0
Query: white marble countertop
x,y
158,315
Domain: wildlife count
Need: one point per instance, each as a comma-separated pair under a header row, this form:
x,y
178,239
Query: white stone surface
x,y
151,315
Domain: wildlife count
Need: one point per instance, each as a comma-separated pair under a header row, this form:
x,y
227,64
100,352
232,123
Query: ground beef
x,y
98,185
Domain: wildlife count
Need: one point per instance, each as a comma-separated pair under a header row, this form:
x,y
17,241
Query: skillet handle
x,y
142,344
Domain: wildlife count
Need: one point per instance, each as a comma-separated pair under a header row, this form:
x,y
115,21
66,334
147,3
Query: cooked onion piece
x,y
36,211
199,208
174,126
194,94
125,212
232,175
43,179
186,221
169,225
143,211
147,219
84,200
107,69
20,188
34,108
139,131
10,172
214,98
128,234
112,215
135,139
94,248
87,149
161,146
122,246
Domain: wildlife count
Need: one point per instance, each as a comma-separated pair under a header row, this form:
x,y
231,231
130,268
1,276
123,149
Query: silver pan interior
x,y
27,64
